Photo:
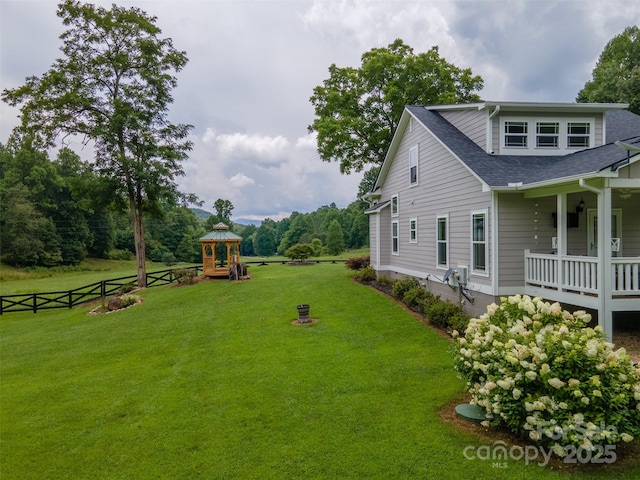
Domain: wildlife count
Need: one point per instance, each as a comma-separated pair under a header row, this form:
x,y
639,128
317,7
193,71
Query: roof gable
x,y
496,171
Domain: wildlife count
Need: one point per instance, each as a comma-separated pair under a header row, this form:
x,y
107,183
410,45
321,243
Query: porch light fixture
x,y
580,207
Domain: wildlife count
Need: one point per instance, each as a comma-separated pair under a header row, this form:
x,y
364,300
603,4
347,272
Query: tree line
x,y
59,211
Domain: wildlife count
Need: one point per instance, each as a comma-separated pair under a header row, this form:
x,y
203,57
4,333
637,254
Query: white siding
x,y
445,187
473,123
523,223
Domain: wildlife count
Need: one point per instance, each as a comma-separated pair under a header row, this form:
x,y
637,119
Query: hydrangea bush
x,y
543,373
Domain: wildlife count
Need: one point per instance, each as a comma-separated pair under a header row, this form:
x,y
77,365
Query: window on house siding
x,y
413,165
394,206
442,241
479,242
578,134
547,134
515,134
394,238
413,230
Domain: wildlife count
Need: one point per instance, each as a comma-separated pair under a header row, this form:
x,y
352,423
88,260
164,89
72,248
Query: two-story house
x,y
493,199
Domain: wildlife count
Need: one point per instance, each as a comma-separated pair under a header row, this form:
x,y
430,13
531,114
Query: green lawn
x,y
213,381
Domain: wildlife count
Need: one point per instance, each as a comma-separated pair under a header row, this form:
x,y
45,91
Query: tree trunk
x,y
138,237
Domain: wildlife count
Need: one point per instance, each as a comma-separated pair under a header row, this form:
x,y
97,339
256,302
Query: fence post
x,y
103,289
171,276
70,299
35,303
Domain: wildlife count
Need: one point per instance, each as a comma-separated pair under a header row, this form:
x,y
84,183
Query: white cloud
x,y
240,180
260,147
253,66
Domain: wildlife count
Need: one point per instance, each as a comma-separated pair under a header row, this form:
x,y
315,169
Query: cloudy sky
x,y
253,66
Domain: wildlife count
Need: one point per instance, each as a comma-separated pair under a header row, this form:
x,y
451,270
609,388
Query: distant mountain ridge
x,y
204,215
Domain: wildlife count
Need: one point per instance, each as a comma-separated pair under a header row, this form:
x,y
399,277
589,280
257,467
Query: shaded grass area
x,y
213,381
40,279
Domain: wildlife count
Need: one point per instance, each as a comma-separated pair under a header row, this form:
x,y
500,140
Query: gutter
x,y
586,186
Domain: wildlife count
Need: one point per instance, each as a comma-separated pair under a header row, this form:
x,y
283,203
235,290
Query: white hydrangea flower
x,y
556,383
626,437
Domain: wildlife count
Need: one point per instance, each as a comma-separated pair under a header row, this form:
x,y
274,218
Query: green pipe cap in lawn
x,y
471,412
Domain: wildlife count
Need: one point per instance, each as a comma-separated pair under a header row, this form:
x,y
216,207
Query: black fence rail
x,y
70,298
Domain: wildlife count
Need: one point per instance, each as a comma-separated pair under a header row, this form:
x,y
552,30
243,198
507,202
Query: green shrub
x,y
402,285
366,274
128,300
126,288
385,281
301,251
443,314
184,275
543,373
418,297
358,263
117,254
168,258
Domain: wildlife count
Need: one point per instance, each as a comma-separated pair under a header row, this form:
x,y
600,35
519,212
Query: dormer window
x,y
547,134
578,134
515,134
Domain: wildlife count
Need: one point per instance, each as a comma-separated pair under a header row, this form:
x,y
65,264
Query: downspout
x,y
490,130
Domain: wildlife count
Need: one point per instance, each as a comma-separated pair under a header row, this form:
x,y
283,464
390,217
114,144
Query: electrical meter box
x,y
463,274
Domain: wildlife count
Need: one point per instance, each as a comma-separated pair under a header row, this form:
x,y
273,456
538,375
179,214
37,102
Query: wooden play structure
x,y
213,267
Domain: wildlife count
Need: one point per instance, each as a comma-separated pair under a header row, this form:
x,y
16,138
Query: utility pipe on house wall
x,y
490,129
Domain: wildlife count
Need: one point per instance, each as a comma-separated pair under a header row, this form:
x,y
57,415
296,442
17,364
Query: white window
x,y
395,247
515,134
578,134
413,230
529,135
442,241
413,165
394,206
547,134
479,251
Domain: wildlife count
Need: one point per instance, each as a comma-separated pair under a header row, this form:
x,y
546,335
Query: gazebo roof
x,y
221,233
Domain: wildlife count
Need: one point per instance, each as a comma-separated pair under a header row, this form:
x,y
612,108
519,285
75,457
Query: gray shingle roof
x,y
501,170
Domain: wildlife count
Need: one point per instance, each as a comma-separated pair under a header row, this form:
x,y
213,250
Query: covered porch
x,y
575,270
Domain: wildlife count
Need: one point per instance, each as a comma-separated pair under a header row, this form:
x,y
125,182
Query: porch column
x,y
605,276
561,223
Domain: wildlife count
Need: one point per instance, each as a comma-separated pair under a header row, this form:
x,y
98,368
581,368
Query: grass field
x,y
213,381
91,270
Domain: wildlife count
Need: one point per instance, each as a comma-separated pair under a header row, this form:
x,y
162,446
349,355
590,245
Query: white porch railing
x,y
580,274
626,276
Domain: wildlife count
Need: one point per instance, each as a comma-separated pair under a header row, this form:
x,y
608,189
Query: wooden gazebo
x,y
220,234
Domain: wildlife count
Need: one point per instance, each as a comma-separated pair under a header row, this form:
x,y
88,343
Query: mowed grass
x,y
213,381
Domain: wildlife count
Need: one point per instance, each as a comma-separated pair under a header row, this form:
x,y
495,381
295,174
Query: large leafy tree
x,y
113,88
616,76
358,109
